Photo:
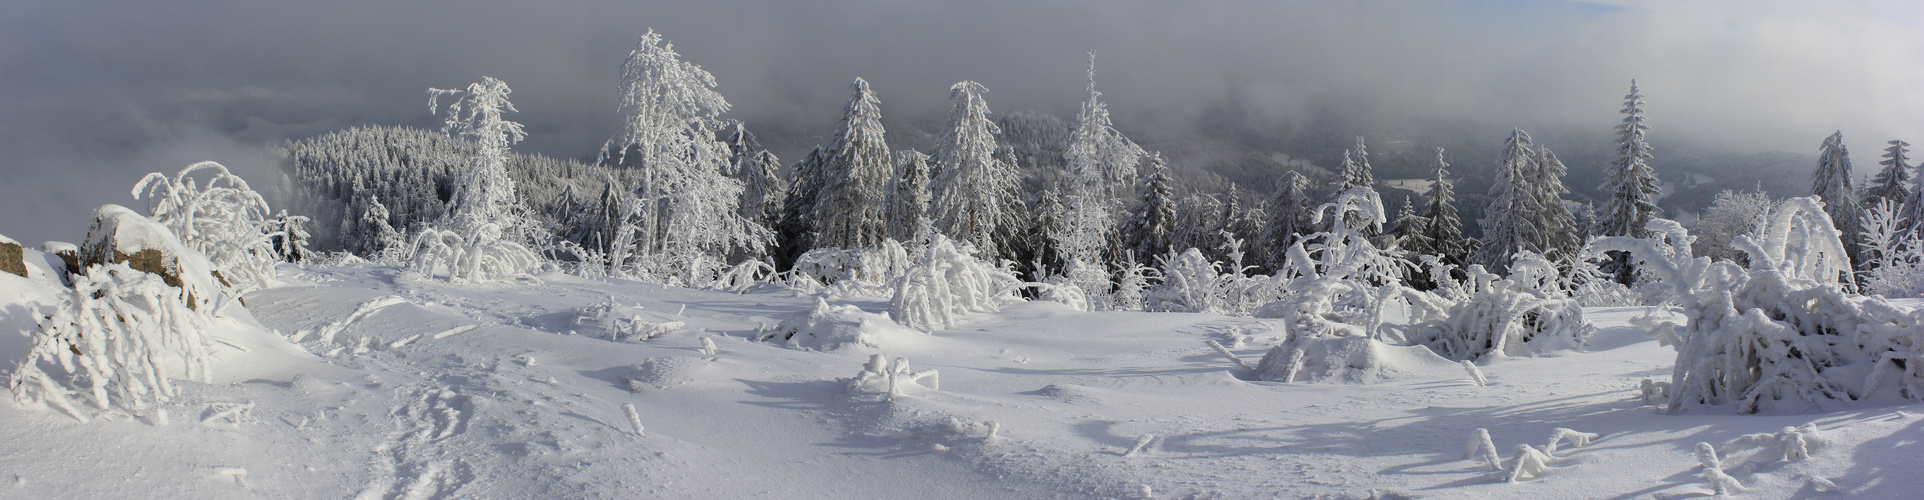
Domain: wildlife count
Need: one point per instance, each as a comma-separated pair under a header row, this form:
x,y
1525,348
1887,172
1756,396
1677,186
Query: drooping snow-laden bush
x,y
947,281
481,257
1525,314
1190,283
220,217
856,271
1786,335
113,345
1336,283
826,328
1896,253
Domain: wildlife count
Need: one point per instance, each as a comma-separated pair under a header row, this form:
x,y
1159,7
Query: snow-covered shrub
x,y
480,257
116,340
220,217
1577,439
1531,463
743,277
1335,283
946,282
1481,448
826,327
623,323
1786,335
1525,314
1790,444
881,380
1720,482
857,271
1354,359
1082,286
1190,283
1896,253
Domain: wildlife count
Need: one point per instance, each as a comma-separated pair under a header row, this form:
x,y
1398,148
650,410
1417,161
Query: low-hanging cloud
x,y
94,94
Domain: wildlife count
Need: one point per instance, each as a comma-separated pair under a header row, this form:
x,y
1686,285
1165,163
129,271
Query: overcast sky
x,y
95,94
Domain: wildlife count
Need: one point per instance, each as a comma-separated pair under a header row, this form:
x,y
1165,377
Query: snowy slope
x,y
421,389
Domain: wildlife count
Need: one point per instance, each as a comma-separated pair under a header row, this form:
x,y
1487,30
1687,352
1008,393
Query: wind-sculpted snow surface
x,y
1786,335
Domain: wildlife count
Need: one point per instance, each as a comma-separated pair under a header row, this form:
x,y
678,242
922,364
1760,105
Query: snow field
x,y
1038,400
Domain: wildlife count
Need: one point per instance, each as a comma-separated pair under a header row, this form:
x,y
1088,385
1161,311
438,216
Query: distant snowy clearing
x,y
420,389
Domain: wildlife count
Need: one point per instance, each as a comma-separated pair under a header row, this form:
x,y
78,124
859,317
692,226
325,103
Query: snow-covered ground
x,y
404,387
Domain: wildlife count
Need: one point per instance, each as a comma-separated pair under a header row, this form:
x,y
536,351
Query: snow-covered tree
x,y
850,211
1730,215
1631,183
482,236
1832,184
1893,182
1357,173
1100,160
908,195
1512,223
1289,215
759,171
1151,222
971,184
1442,229
1560,235
1101,168
685,209
796,230
1356,168
485,195
1409,229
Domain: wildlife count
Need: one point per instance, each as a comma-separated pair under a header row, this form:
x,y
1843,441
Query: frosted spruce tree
x,y
1357,173
1512,223
908,195
1631,182
1101,165
849,212
685,209
1831,183
971,185
1409,229
1912,211
1560,237
1152,222
1442,229
1289,217
759,172
1893,182
795,233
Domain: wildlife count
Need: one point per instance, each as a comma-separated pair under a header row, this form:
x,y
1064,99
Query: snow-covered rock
x,y
119,235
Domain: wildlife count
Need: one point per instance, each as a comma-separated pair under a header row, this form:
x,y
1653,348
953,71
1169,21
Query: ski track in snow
x,y
425,389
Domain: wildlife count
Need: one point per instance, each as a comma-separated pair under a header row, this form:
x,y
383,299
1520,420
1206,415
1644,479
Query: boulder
x,y
121,235
11,258
68,253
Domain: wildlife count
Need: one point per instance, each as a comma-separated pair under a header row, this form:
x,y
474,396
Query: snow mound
x,y
664,372
828,328
1347,359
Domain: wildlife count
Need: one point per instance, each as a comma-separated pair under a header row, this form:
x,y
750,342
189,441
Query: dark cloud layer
x,y
95,94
